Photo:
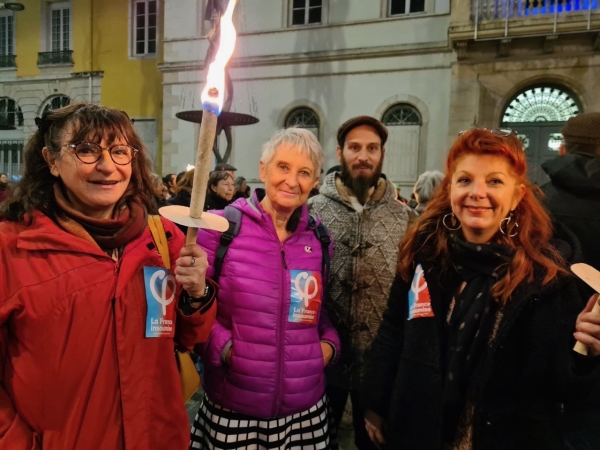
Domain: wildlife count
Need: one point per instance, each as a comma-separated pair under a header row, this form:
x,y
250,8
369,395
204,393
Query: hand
x,y
191,270
228,355
588,327
374,424
327,350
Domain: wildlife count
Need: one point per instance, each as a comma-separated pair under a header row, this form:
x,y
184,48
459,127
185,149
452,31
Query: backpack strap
x,y
160,239
323,236
234,217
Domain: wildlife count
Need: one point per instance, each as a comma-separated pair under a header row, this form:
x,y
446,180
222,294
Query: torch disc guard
x,y
181,215
226,118
13,6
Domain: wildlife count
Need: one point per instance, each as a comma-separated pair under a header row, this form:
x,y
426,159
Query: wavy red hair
x,y
429,237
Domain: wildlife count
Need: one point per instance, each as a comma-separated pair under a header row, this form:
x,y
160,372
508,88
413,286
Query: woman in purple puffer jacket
x,y
265,358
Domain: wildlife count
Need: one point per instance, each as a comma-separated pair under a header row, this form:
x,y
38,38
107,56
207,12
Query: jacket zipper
x,y
277,405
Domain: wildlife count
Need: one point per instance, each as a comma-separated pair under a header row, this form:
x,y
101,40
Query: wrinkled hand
x,y
374,424
191,270
327,350
588,327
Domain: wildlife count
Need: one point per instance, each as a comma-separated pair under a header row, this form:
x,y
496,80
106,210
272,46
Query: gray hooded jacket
x,y
362,269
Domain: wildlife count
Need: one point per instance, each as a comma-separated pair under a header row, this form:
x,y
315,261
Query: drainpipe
x,y
476,17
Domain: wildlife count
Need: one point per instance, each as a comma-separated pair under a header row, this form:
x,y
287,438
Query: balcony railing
x,y
58,57
7,61
503,9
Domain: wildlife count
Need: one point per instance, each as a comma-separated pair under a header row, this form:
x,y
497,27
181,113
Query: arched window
x,y
10,113
303,118
56,102
541,104
401,163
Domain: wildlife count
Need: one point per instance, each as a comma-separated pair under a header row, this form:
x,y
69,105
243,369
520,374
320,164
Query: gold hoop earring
x,y
506,222
452,219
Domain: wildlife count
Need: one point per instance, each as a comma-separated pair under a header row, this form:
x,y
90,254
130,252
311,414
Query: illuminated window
x,y
541,104
303,118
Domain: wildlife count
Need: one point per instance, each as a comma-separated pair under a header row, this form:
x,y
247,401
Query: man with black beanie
x,y
573,193
573,199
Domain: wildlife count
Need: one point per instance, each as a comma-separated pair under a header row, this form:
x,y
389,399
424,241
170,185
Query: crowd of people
x,y
446,320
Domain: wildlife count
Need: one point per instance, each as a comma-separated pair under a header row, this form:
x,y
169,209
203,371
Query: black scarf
x,y
472,321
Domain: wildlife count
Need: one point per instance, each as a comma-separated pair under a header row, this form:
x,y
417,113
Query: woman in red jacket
x,y
89,316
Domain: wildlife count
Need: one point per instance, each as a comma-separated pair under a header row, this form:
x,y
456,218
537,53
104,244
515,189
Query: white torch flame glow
x,y
216,71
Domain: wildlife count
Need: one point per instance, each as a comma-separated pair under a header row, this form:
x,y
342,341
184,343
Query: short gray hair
x,y
303,140
427,183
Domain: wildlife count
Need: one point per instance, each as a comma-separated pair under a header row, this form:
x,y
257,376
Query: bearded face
x,y
361,161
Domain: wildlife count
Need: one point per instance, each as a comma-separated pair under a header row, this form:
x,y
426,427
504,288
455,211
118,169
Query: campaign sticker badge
x,y
305,296
419,299
160,295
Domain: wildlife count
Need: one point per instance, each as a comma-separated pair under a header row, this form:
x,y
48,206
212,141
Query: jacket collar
x,y
44,234
252,208
334,189
576,173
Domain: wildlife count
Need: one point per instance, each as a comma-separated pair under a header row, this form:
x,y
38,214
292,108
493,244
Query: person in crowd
x,y
268,348
220,191
78,369
161,192
170,181
332,169
412,201
5,190
573,199
358,205
242,190
183,193
178,178
399,196
475,350
225,167
424,188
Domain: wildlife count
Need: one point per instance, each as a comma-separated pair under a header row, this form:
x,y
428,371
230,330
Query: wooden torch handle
x,y
582,348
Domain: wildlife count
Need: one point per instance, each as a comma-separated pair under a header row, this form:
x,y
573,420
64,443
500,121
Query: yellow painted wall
x,y
100,43
131,84
28,39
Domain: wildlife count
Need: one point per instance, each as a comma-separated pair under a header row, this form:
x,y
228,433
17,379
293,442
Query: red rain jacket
x,y
76,371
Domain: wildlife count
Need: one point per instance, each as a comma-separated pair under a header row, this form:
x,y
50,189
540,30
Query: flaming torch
x,y
212,102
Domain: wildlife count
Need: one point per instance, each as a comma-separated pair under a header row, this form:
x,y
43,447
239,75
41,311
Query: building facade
x,y
316,63
58,52
525,65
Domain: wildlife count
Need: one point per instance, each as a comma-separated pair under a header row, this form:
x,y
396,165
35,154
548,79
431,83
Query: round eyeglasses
x,y
89,153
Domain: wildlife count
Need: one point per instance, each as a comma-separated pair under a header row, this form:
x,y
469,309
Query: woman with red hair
x,y
475,348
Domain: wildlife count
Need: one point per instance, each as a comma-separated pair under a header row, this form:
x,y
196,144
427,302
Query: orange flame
x,y
215,80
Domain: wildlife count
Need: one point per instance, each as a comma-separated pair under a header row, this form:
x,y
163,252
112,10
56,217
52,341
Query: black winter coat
x,y
573,198
529,373
213,201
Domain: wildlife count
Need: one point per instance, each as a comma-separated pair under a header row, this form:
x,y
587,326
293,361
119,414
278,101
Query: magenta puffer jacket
x,y
270,312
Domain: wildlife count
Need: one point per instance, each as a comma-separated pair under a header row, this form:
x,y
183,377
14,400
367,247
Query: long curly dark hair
x,y
429,237
91,123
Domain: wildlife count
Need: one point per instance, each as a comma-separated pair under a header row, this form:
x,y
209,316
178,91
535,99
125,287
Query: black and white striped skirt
x,y
216,428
